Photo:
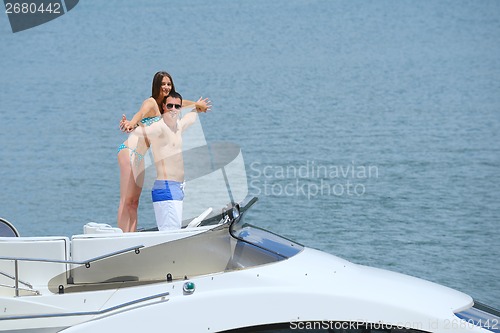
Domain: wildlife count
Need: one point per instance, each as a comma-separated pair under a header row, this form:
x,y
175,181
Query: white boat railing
x,y
79,262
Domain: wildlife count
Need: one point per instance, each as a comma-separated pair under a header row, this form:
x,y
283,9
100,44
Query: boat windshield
x,y
263,239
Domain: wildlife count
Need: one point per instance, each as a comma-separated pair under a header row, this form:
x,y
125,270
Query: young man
x,y
166,144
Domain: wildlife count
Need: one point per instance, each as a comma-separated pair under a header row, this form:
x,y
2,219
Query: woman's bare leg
x,y
130,192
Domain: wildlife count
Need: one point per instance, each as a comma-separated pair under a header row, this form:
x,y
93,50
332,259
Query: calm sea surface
x,y
369,129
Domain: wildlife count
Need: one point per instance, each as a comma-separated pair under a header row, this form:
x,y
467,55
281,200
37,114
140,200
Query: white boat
x,y
223,276
218,274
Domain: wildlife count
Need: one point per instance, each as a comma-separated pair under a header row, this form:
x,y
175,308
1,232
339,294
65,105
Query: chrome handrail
x,y
81,262
31,290
13,278
88,313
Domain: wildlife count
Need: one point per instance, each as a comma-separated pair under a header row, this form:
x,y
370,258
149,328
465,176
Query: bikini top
x,y
150,120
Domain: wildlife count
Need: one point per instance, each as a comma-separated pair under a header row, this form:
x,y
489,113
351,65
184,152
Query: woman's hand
x,y
122,123
125,125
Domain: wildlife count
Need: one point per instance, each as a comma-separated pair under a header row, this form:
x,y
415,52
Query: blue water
x,y
370,129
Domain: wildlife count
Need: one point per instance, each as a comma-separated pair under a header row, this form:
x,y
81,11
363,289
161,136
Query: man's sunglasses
x,y
171,106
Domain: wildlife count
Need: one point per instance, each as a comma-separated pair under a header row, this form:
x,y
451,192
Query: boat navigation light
x,y
188,288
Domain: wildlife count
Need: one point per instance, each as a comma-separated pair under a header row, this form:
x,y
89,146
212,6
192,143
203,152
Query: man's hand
x,y
203,105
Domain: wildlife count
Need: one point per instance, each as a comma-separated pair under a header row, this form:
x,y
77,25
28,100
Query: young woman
x,y
131,152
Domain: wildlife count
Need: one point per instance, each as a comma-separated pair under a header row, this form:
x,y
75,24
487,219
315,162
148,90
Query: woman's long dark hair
x,y
156,86
155,89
